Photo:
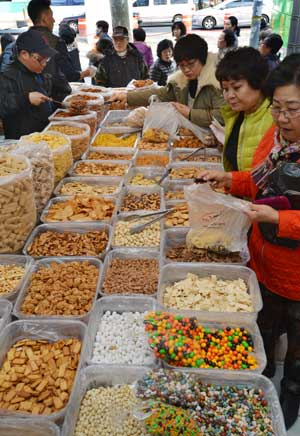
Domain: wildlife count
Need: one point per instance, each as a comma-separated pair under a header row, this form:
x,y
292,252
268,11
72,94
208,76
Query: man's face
x,y
33,61
120,43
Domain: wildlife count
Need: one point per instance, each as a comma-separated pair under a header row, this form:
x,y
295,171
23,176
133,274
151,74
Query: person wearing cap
x,y
269,47
24,103
123,64
164,65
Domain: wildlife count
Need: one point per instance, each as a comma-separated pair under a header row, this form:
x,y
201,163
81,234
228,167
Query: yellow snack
x,y
140,180
53,141
110,140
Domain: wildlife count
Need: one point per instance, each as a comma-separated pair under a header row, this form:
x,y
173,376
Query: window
x,y
178,2
234,4
59,3
140,3
160,2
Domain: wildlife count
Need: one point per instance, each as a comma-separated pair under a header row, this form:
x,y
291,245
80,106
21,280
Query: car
x,y
156,12
73,21
209,18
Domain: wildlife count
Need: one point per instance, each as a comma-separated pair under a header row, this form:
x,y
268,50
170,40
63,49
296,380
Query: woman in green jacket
x,y
242,74
194,89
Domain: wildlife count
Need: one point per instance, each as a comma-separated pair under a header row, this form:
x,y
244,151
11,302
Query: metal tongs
x,y
186,157
140,227
61,103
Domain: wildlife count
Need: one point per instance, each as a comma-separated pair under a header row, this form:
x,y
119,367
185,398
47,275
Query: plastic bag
x,y
137,85
136,117
164,116
80,141
92,101
89,118
218,221
17,211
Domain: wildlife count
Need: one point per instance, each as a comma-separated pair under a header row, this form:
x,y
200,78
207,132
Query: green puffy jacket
x,y
252,131
208,100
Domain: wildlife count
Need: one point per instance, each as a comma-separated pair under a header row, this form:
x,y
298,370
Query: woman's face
x,y
240,96
191,68
286,111
221,41
166,54
177,33
228,25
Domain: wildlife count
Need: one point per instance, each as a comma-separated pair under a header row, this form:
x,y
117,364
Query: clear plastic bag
x,y
218,221
17,205
89,118
93,102
136,117
79,141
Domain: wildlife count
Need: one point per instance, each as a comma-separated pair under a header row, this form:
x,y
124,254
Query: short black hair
x,y
164,45
6,39
67,33
274,42
104,46
101,24
139,34
287,73
235,22
191,47
229,37
243,63
179,25
36,7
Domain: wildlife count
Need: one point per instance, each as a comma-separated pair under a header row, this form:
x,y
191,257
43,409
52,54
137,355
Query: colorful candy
x,y
182,341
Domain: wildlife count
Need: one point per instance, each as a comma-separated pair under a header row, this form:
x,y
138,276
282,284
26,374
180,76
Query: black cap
x,y
34,42
120,31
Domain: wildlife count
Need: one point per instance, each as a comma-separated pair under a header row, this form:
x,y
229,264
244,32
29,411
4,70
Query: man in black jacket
x,y
24,103
123,64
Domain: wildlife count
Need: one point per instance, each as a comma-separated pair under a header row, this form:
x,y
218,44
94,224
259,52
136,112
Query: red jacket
x,y
278,268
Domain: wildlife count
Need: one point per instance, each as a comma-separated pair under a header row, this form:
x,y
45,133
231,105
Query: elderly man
x,y
125,62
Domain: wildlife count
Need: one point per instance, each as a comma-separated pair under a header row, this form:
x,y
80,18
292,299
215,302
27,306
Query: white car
x,y
155,12
209,18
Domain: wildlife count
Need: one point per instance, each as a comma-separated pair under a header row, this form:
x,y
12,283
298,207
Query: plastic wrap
x,y
136,117
27,427
46,263
92,101
17,205
5,313
79,142
18,260
50,330
89,118
113,182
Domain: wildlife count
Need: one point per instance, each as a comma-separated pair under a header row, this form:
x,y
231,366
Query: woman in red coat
x,y
275,237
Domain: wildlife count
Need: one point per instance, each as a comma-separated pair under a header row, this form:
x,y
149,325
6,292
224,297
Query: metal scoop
x,y
140,227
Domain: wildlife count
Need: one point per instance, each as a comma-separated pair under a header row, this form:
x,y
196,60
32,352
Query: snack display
x,y
85,117
183,341
17,205
188,142
10,277
208,294
80,208
68,243
155,135
98,155
111,140
188,172
149,237
60,289
99,168
179,217
142,83
152,146
60,146
91,188
143,201
131,276
153,160
78,133
39,375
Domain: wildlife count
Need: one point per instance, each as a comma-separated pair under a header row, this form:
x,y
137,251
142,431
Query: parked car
x,y
73,21
209,18
155,12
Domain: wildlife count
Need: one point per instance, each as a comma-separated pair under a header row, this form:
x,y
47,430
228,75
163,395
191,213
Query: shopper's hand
x,y
89,72
182,109
37,98
262,213
119,96
218,179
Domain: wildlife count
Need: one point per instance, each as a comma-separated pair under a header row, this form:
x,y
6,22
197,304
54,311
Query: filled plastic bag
x,y
136,117
90,101
17,211
164,116
219,222
87,117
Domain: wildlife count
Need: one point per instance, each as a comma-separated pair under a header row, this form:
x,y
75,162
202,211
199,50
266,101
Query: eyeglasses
x,y
41,61
288,113
188,65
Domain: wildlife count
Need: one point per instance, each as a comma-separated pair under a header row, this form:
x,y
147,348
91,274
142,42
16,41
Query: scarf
x,y
282,151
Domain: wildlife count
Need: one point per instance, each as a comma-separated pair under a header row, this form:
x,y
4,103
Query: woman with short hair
x,y
164,65
226,42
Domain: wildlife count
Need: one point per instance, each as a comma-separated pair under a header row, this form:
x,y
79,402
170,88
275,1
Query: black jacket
x,y
114,71
18,115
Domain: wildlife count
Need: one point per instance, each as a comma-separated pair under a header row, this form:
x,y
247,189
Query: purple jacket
x,y
145,51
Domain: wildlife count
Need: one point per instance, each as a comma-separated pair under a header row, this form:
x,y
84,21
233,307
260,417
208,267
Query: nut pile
x,y
149,237
73,188
133,202
153,160
131,276
90,168
188,142
153,146
110,140
121,339
80,208
17,205
10,277
208,294
107,411
186,173
98,155
79,135
182,253
37,375
61,289
52,243
142,180
179,217
200,158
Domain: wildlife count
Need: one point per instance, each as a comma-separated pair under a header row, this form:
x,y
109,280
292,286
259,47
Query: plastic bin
x,y
170,187
174,272
69,227
94,377
102,130
130,154
47,263
48,329
119,304
177,154
28,427
5,313
140,190
97,181
125,165
116,116
148,173
126,253
152,153
19,260
199,165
